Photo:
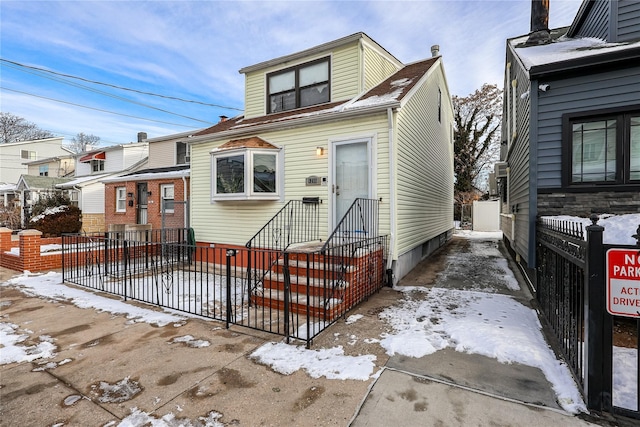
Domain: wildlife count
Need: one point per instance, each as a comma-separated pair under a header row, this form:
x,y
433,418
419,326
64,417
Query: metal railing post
x,y
598,324
287,289
230,253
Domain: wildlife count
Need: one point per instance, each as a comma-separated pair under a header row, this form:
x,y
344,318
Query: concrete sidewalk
x,y
107,367
452,388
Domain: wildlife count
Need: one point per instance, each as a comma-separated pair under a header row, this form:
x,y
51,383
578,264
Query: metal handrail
x,y
297,221
361,221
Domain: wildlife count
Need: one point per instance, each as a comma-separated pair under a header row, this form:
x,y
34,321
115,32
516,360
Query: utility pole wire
x,y
110,95
97,109
119,87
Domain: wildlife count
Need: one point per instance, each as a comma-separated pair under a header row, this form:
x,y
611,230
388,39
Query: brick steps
x,y
325,286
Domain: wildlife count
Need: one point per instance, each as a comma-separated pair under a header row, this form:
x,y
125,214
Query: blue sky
x,y
193,50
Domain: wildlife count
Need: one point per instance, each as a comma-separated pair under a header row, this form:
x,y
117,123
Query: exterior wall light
x,y
319,151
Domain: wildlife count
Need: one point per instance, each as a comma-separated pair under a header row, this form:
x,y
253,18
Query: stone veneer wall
x,y
584,204
93,222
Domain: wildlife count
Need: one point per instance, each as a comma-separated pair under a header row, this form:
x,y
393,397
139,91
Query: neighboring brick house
x,y
87,190
156,196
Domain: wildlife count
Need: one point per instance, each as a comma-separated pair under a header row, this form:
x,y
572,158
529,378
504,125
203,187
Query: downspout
x,y
186,199
392,195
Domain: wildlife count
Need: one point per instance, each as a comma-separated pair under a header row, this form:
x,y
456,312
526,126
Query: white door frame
x,y
370,141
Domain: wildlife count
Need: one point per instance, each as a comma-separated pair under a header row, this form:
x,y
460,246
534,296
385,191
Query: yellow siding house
x,y
336,122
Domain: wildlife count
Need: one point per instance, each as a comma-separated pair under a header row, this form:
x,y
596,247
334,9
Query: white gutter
x,y
392,193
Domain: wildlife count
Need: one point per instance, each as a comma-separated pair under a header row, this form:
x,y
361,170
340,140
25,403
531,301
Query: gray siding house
x,y
571,121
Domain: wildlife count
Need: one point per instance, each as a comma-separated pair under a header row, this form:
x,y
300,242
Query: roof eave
x,y
296,122
314,51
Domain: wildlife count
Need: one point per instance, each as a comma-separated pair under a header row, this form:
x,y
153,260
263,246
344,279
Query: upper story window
x,y
299,86
246,174
439,105
44,170
603,149
29,155
97,165
183,153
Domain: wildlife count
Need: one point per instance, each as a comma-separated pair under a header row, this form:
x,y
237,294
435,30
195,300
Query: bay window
x,y
246,174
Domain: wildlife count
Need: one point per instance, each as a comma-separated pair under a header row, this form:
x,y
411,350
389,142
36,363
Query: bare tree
x,y
476,135
83,142
15,128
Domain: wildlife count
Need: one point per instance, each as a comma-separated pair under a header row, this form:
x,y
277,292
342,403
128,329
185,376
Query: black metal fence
x,y
293,294
571,290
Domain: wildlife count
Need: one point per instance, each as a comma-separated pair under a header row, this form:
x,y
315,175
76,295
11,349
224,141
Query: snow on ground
x,y
618,229
326,362
492,325
139,418
14,348
50,286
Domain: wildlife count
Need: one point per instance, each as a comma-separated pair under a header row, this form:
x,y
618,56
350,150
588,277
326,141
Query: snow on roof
x,y
149,175
564,49
7,187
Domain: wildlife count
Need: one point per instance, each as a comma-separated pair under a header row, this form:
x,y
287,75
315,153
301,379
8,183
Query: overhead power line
x,y
96,109
110,95
119,87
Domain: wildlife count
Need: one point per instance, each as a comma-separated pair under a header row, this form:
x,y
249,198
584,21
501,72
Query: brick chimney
x,y
539,23
223,119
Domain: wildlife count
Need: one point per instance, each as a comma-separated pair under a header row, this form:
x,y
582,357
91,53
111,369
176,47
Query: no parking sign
x,y
623,282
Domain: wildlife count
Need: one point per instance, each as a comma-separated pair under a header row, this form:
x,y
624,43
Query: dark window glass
x,y
230,174
301,86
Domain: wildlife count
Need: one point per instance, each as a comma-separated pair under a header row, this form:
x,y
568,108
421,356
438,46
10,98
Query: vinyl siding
x,y
93,199
628,20
585,93
162,154
345,78
596,23
424,166
235,222
518,160
377,67
11,160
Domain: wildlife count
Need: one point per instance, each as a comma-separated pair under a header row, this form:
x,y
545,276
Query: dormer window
x,y
300,86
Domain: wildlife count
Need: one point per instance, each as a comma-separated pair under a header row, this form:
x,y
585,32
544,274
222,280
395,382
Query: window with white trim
x,y
97,165
246,174
166,192
121,199
300,86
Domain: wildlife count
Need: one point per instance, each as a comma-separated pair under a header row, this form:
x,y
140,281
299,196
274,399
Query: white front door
x,y
351,175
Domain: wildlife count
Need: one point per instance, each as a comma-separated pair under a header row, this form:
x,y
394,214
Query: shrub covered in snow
x,y
53,215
